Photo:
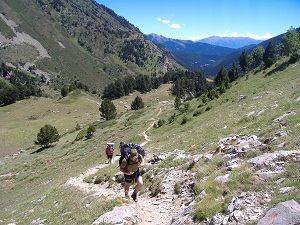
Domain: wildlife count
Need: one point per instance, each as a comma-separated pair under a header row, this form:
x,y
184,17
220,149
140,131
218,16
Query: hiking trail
x,y
151,210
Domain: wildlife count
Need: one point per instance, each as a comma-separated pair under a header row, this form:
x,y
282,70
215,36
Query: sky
x,y
198,19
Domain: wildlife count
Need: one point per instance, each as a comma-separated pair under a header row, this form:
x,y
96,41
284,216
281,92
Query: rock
x,y
222,179
285,213
183,216
286,189
278,119
120,215
267,157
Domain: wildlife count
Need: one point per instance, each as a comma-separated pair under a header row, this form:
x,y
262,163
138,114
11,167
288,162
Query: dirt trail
x,y
147,139
151,211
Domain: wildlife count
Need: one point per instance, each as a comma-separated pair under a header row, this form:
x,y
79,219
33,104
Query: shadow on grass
x,y
41,149
280,67
294,58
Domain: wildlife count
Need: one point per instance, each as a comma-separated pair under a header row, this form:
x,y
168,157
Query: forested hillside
x,y
74,40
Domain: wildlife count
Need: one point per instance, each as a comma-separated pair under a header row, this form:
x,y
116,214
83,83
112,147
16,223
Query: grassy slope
x,y
32,184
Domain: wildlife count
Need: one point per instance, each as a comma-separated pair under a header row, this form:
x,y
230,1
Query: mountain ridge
x,y
85,41
230,42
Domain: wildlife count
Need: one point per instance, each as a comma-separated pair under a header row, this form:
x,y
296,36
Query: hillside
x,y
234,57
69,40
209,55
193,55
265,104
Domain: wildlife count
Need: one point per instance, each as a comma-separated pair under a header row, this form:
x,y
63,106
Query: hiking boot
x,y
133,196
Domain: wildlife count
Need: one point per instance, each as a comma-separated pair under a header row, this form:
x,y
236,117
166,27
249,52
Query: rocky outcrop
x,y
285,213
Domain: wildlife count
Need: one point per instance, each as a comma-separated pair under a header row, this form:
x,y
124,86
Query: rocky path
x,y
151,211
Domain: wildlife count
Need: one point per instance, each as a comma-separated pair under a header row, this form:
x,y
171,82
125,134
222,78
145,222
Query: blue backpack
x,y
126,149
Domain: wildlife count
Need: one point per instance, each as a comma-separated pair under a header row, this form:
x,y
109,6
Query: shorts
x,y
130,178
109,156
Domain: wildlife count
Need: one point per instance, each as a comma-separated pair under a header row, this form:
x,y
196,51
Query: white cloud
x,y
175,26
249,35
233,34
260,37
197,38
163,21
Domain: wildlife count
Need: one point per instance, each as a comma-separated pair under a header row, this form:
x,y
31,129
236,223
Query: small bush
x,y
177,188
161,122
185,119
172,118
155,187
198,112
90,132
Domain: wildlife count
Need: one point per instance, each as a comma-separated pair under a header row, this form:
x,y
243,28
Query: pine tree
x,y
257,55
290,43
108,109
269,56
222,78
233,73
48,134
177,102
245,61
137,103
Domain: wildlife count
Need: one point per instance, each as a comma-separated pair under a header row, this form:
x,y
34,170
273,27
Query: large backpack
x,y
110,150
126,149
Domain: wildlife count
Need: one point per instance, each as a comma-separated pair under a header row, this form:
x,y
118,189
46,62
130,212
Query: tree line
x,y
16,85
289,46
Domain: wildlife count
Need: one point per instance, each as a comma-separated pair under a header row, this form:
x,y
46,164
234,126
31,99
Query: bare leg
x,y
126,188
139,184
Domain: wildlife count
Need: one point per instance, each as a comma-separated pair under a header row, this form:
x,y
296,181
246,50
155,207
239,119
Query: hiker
x,y
109,152
126,148
130,167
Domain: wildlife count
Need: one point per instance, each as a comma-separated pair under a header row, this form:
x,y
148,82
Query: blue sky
x,y
197,19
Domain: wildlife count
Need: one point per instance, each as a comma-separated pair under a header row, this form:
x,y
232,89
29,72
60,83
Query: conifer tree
x,y
269,56
290,43
47,135
177,102
245,61
137,103
233,73
257,55
222,78
108,109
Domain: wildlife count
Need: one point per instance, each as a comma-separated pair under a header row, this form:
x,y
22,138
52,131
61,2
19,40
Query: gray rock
x,y
286,189
183,216
222,179
278,119
267,157
120,215
285,213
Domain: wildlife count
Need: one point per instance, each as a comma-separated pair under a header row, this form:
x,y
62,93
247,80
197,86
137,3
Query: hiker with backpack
x,y
130,163
109,152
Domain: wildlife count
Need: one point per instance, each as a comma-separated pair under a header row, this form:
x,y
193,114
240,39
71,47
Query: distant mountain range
x,y
193,55
230,42
210,54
